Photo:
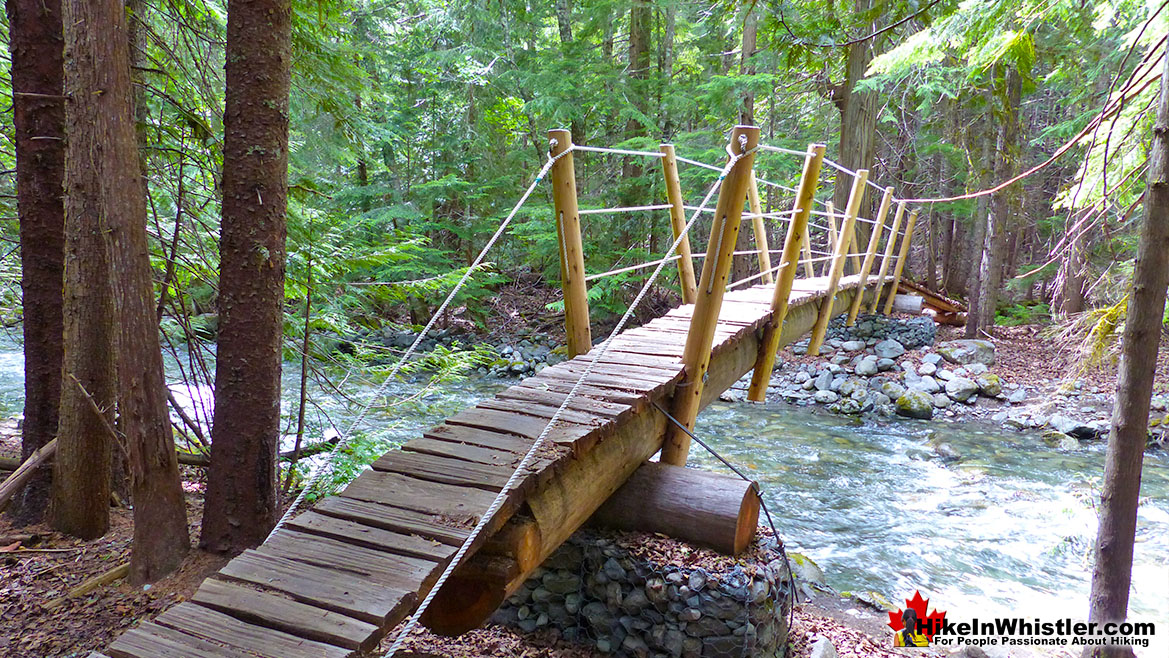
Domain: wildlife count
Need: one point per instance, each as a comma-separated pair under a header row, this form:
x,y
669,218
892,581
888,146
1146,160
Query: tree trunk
x,y
745,265
36,44
1112,574
160,519
977,240
1071,292
241,487
858,115
81,472
1002,208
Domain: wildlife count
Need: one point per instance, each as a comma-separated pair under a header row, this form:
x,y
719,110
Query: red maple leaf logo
x,y
931,623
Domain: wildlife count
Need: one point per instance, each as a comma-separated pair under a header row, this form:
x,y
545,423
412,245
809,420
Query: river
x,y
1007,528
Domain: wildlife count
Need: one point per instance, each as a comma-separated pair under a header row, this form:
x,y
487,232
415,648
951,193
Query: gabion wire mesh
x,y
606,590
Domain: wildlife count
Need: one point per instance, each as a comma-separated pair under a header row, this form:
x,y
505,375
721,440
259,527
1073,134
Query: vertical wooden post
x,y
870,256
576,303
808,271
797,237
712,285
838,257
854,258
900,262
678,222
890,243
760,229
827,266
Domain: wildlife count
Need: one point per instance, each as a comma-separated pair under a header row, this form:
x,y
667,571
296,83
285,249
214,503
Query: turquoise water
x,y
1007,527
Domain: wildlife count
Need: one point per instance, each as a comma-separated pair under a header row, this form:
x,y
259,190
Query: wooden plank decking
x,y
336,579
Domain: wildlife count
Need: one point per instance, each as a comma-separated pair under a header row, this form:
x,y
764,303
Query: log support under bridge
x,y
566,502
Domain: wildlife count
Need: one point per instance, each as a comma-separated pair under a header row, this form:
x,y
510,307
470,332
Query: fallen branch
x,y
24,472
117,573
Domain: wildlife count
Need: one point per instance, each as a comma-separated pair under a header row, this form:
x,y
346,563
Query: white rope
x,y
598,211
597,149
330,461
641,266
841,168
596,353
785,188
698,208
780,149
696,163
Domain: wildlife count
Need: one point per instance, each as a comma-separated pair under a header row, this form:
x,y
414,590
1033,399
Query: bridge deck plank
x,y
268,609
150,640
399,572
444,469
215,626
395,519
330,589
419,495
354,532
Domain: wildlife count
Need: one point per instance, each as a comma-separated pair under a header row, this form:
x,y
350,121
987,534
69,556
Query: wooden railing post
x,y
831,209
797,237
808,271
854,257
870,256
890,243
901,258
760,226
838,258
716,267
572,280
678,222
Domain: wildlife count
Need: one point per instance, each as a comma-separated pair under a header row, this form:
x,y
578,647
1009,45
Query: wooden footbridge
x,y
447,523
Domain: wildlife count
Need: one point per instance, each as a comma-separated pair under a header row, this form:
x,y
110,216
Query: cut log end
x,y
704,508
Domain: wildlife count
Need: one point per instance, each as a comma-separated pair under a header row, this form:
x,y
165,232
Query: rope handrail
x,y
540,440
600,211
344,438
697,163
631,268
780,149
599,149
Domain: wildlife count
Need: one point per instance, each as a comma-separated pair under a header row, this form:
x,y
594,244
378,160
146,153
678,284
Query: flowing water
x,y
1007,528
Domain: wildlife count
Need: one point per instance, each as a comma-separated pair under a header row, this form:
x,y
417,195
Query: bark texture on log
x,y
36,44
700,507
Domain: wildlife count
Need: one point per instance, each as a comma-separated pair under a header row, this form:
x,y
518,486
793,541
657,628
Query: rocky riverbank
x,y
903,366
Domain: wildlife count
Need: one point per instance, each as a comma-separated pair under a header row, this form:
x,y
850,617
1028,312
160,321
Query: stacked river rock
x,y
597,591
867,368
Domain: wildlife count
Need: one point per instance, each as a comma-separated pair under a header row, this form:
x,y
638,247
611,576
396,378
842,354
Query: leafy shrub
x,y
1022,313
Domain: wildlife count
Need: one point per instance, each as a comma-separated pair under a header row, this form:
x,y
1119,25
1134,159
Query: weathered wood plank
x,y
395,519
372,537
613,392
526,426
462,451
278,613
261,641
444,469
150,640
545,398
399,572
478,436
533,409
330,589
419,495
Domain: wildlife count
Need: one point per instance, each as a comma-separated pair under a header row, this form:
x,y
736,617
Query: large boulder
x,y
916,404
989,385
961,389
888,349
967,351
